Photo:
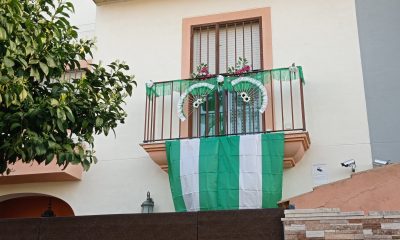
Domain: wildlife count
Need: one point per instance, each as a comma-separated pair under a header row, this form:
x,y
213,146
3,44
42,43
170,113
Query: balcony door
x,y
220,46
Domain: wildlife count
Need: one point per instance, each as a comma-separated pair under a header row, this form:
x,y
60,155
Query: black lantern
x,y
148,205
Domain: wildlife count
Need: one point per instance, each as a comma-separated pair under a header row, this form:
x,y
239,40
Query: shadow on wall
x,y
33,206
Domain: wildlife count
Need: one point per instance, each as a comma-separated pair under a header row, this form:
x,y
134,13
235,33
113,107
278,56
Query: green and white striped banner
x,y
230,172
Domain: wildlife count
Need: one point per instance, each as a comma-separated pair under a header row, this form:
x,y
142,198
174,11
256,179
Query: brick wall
x,y
331,223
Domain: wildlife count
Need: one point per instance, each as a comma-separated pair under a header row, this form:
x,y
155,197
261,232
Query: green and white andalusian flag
x,y
230,172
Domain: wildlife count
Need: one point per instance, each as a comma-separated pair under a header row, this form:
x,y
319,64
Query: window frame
x,y
266,31
217,25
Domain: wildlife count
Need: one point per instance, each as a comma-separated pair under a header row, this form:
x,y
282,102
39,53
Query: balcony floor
x,y
34,172
296,144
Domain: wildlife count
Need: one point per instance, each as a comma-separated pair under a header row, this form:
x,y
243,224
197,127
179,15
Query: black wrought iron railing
x,y
255,102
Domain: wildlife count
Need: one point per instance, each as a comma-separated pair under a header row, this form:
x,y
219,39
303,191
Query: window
x,y
220,45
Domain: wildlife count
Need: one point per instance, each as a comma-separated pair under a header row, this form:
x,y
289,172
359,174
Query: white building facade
x,y
321,36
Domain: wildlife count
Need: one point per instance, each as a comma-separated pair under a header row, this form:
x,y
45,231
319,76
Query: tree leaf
x,y
13,46
50,62
54,102
23,94
61,114
86,165
76,160
99,121
3,34
60,125
61,158
8,62
9,27
70,6
7,99
40,149
49,158
23,62
35,73
29,50
70,115
33,61
129,89
44,68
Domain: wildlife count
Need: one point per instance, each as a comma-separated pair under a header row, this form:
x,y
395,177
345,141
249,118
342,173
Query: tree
x,y
43,117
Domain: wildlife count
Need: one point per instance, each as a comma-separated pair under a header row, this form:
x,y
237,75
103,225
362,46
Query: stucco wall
x,y
380,52
319,35
84,18
322,36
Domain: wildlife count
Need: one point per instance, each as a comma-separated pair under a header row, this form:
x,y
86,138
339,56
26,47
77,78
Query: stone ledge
x,y
315,210
324,214
331,218
384,213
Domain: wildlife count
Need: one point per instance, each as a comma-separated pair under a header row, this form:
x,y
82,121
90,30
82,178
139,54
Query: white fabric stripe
x,y
189,171
250,175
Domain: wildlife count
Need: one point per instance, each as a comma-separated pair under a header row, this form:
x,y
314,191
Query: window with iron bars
x,y
220,45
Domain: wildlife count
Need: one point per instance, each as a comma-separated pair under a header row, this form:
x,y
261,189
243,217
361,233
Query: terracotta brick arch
x,y
32,205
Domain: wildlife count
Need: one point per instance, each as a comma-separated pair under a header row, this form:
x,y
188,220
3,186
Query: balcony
x,y
254,102
34,172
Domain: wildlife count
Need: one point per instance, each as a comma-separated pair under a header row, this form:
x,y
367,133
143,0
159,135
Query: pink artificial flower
x,y
204,70
247,68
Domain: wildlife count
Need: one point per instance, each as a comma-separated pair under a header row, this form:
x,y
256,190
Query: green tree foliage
x,y
43,117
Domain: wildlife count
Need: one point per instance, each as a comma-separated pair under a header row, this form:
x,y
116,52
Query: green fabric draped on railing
x,y
264,77
229,172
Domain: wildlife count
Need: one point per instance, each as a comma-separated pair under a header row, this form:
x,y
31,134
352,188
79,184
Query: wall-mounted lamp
x,y
148,205
349,163
49,212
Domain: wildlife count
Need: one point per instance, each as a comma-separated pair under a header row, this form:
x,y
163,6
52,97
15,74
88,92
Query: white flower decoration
x,y
150,84
220,79
198,102
259,85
